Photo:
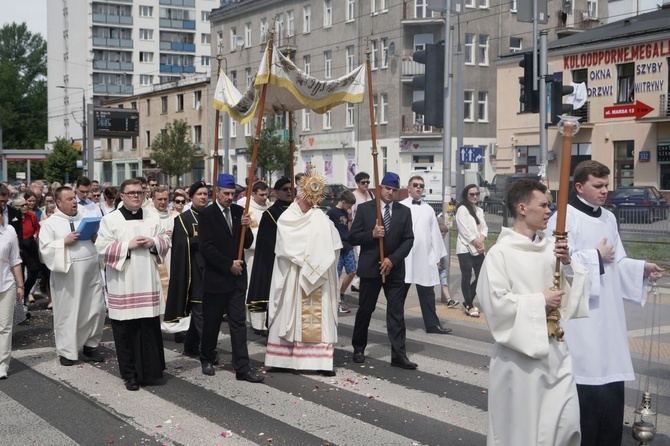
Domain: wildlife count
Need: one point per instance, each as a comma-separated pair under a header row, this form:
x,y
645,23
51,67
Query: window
x,y
327,123
264,30
307,64
233,38
373,54
469,3
279,26
377,6
233,77
133,105
328,64
164,105
204,61
375,108
247,35
204,16
146,56
350,115
483,49
146,11
350,58
146,79
624,163
385,53
327,13
483,3
180,102
421,9
383,108
515,44
467,105
205,39
306,119
290,24
147,106
626,82
249,78
385,160
146,34
351,10
528,159
483,106
306,19
580,152
468,52
247,129
147,135
591,10
121,144
232,128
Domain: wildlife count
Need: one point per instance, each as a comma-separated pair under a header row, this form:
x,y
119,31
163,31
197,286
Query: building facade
x,y
106,49
626,119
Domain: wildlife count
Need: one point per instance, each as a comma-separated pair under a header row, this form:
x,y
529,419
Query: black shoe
x,y
179,337
404,363
252,376
207,368
131,384
191,353
92,354
438,330
66,362
359,356
355,289
327,372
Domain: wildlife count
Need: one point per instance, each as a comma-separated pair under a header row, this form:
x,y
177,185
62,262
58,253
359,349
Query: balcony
x,y
574,22
112,65
176,46
583,113
189,3
113,19
114,43
177,24
177,69
411,69
108,89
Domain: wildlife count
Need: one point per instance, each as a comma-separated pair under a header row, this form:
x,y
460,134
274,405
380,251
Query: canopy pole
x,y
215,155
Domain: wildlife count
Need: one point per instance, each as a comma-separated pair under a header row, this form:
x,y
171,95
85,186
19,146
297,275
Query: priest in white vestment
x,y
304,291
76,282
260,191
599,344
532,392
132,243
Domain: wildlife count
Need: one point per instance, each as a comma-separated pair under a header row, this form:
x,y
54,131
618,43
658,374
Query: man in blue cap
x,y
225,279
396,231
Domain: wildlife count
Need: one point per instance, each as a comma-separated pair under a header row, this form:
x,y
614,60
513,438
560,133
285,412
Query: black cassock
x,y
264,258
187,268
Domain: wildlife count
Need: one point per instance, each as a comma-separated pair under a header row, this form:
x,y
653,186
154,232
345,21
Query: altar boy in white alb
x,y
532,392
76,282
599,344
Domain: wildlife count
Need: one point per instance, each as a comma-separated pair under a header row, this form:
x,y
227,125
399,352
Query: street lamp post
x,y
84,151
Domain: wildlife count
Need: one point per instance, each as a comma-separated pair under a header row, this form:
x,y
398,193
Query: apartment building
x,y
100,50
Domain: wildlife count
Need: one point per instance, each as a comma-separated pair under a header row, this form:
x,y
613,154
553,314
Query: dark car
x,y
639,204
332,194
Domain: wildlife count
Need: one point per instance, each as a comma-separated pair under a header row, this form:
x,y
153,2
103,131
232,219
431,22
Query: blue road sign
x,y
471,155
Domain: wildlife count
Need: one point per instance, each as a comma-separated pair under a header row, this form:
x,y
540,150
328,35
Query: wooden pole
x,y
291,152
215,169
375,168
257,138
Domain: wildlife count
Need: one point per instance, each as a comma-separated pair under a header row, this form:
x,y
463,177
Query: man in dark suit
x,y
10,213
225,280
396,231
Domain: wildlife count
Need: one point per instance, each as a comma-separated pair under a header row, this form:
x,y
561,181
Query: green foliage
x,y
273,153
62,159
23,90
173,150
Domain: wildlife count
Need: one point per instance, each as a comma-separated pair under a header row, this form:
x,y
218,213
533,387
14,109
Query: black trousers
x,y
194,332
139,348
427,302
468,263
214,306
395,314
601,411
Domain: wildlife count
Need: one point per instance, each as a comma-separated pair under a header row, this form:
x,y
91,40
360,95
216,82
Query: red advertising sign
x,y
638,110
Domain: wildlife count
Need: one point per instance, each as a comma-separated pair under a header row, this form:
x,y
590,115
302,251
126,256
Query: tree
x,y
61,164
23,91
172,149
273,151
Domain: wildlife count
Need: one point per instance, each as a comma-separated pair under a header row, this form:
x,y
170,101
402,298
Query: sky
x,y
33,12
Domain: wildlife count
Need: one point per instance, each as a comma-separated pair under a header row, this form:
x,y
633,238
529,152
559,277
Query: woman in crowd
x,y
11,290
472,232
48,200
108,205
28,246
31,199
178,201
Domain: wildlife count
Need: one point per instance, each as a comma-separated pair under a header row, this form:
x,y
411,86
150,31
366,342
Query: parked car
x,y
639,204
498,187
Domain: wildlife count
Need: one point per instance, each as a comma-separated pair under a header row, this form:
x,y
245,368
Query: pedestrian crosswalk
x,y
442,403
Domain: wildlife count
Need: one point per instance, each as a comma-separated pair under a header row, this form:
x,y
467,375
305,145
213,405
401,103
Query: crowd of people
x,y
153,266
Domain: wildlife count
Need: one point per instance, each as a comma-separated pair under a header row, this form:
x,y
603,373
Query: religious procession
x,y
551,288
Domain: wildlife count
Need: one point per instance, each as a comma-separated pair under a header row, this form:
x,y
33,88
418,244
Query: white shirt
x,y
9,256
87,208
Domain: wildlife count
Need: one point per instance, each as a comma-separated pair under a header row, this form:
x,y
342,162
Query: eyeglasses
x,y
419,185
153,184
364,182
96,195
285,189
134,193
179,201
476,194
24,204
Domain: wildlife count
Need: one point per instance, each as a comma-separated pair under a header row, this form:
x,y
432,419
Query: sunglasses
x,y
364,182
419,185
96,195
476,194
180,201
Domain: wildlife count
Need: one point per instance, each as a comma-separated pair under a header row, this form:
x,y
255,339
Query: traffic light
x,y
529,99
556,91
432,83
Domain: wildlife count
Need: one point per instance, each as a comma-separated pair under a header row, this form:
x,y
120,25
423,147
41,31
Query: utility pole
x,y
544,149
446,136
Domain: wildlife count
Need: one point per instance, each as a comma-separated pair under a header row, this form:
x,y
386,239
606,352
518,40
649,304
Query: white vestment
x,y
428,247
89,209
303,298
599,344
133,281
532,393
257,319
76,286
